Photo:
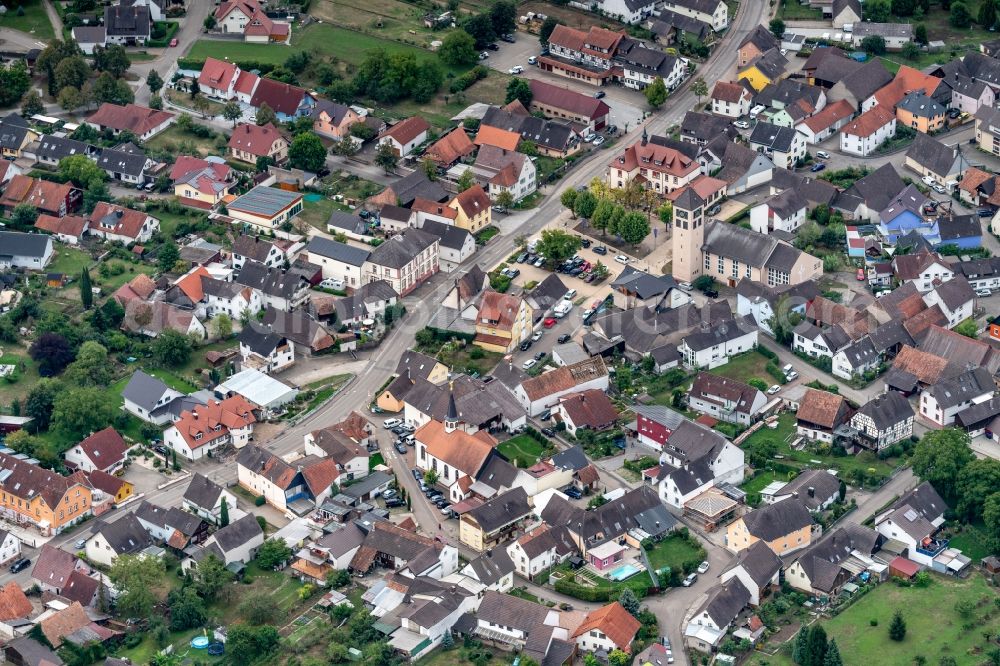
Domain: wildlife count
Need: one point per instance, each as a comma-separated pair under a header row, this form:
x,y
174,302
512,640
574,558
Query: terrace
x,y
614,561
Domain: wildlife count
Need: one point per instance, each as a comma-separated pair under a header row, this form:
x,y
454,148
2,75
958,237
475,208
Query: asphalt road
x,y
191,30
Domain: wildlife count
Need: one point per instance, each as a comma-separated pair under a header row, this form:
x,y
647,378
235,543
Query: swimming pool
x,y
622,572
199,642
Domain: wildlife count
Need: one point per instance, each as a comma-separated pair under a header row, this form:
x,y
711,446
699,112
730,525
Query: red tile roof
x,y
233,412
13,602
120,221
472,201
494,136
613,621
907,80
451,147
105,448
46,196
191,284
869,122
257,140
591,408
499,308
727,91
567,100
132,117
830,115
407,130
106,483
281,97
422,205
217,74
71,225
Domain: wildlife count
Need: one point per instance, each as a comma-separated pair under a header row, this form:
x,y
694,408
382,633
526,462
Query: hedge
x,y
766,353
460,83
169,31
447,336
587,593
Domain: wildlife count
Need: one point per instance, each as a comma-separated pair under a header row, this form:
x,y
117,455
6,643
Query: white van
x,y
562,309
755,111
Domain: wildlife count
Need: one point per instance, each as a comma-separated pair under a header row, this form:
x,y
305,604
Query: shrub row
x,y
465,81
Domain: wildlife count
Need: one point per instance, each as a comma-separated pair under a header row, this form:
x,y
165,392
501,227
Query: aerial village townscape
x,y
489,332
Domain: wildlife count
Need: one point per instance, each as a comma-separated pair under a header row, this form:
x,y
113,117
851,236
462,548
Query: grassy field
x,y
523,451
35,21
674,552
744,367
316,213
973,541
753,487
392,19
791,10
68,261
175,139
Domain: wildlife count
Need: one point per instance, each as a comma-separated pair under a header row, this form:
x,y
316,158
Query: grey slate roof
x,y
934,155
762,38
878,188
824,486
643,284
57,147
237,533
887,410
774,137
759,562
955,293
117,161
260,339
919,104
401,249
450,236
725,602
144,390
958,227
786,203
822,560
501,510
348,223
271,281
572,458
770,63
126,535
492,565
348,254
967,386
774,521
719,333
18,244
508,611
728,240
704,127
202,492
864,81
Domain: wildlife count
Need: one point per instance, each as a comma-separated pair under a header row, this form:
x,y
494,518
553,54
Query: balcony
x,y
932,547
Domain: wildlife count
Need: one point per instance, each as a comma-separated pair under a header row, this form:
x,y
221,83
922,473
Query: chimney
x,y
811,491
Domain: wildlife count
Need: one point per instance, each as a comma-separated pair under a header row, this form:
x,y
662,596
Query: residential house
x,y
367,302
817,489
265,350
28,251
536,394
125,536
784,527
566,104
339,261
713,12
704,128
173,527
125,225
267,208
57,199
207,428
756,43
820,415
758,569
586,56
785,211
388,546
454,454
883,421
730,100
684,445
863,135
641,66
822,569
819,343
104,450
405,261
918,111
69,229
250,142
40,497
634,288
940,403
261,250
895,35
334,120
783,145
969,94
247,18
589,410
128,165
846,12
494,521
913,520
507,172
204,498
551,138
299,486
287,101
712,620
540,549
141,121
821,126
502,323
202,182
924,269
481,405
335,442
929,157
473,205
455,244
405,135
450,148
607,629
763,70
127,25
955,298
10,547
715,344
988,129
236,543
664,168
725,399
16,135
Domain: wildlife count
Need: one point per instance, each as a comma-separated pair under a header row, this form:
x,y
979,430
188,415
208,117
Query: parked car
x,y
539,262
612,130
516,69
983,293
774,389
416,474
394,503
817,167
526,345
621,259
80,544
984,212
332,283
600,94
401,448
703,567
686,286
564,338
954,113
507,38
173,42
549,322
573,492
601,250
537,336
860,275
689,581
599,140
741,124
712,293
939,188
445,509
529,364
521,258
532,60
484,55
539,356
20,565
389,424
570,295
548,432
927,180
493,46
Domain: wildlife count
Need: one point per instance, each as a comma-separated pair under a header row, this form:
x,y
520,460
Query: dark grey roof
x,y
547,293
508,611
401,249
642,283
864,81
555,538
878,188
887,410
126,535
841,5
760,563
492,565
774,521
667,20
958,227
542,132
661,414
978,415
347,222
260,339
501,510
770,63
127,21
746,246
656,521
12,134
369,483
257,248
889,335
726,601
238,533
202,492
934,155
822,561
788,91
919,104
144,390
862,352
416,184
824,485
572,458
955,293
704,126
786,203
271,281
689,200
774,137
333,109
834,69
497,473
725,331
17,244
978,268
58,147
762,38
32,653
965,387
418,364
354,307
449,235
117,161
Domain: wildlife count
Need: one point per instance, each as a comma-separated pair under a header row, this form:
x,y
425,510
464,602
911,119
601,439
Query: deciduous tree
x,y
656,93
307,153
52,352
272,553
136,578
940,456
172,348
458,48
31,103
519,89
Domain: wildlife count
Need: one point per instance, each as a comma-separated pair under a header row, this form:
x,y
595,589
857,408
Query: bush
x,y
767,353
259,500
465,81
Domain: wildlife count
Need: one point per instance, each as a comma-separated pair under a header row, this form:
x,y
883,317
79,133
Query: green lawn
x,y
24,380
675,551
973,541
745,367
791,10
933,628
316,213
783,436
523,451
753,487
375,460
68,261
176,139
167,377
470,359
35,21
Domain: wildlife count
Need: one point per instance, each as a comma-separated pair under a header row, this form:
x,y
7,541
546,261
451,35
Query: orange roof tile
x,y
458,448
451,147
613,621
13,602
869,122
472,201
494,136
190,284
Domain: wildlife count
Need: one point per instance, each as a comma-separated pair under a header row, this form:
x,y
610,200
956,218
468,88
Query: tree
x,y
800,648
699,88
111,90
209,22
601,216
458,48
503,15
136,577
256,608
842,491
210,576
816,649
113,60
629,601
504,200
86,290
40,401
568,199
656,93
172,348
897,628
52,352
81,170
584,205
903,7
519,89
777,27
557,246
154,81
246,644
760,451
307,153
910,51
73,72
465,181
273,553
991,516
25,214
480,26
619,657
975,482
430,477
80,411
232,111
70,98
91,367
386,158
222,326
940,456
548,25
266,115
873,45
959,17
968,328
187,610
338,578
167,256
832,657
633,228
31,103
920,34
877,11
987,15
